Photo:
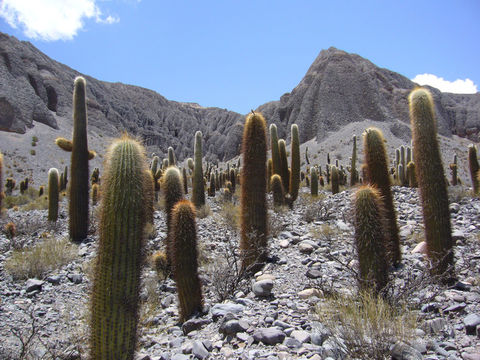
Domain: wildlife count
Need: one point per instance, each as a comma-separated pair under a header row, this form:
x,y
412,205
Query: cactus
x,y
453,170
233,180
253,204
431,182
53,193
150,186
313,182
409,155
295,163
95,194
190,164
185,180
211,187
165,164
321,182
283,164
23,187
1,181
307,160
64,144
156,175
369,239
116,283
95,178
9,186
171,157
353,164
401,174
41,190
377,173
275,150
473,165
184,256
335,179
172,189
411,176
277,190
198,189
269,173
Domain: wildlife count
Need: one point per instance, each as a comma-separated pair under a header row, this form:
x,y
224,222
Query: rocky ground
x,y
302,305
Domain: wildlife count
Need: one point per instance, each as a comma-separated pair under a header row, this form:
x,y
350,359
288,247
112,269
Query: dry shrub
x,y
203,211
38,260
230,214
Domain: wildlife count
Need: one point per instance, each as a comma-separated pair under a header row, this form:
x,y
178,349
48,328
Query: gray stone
x,y
269,336
306,246
219,310
180,357
313,273
199,350
402,351
75,278
33,285
231,327
292,343
455,307
436,325
301,335
471,322
194,324
54,279
263,288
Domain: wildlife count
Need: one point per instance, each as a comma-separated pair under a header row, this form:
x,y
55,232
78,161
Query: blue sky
x,y
241,54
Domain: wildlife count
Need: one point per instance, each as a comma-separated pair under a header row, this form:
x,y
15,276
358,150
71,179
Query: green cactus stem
x,y
277,190
295,163
198,189
53,194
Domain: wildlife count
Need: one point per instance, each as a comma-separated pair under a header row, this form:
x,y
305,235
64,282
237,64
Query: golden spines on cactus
x,y
64,144
431,182
95,193
198,189
184,257
277,190
253,204
377,173
369,239
335,180
295,163
53,194
116,283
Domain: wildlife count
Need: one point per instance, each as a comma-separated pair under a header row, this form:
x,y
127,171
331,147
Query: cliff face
x,y
339,88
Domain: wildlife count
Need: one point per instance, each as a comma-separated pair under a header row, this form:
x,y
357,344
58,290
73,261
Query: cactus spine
x,y
431,181
277,190
369,239
473,165
274,148
295,163
282,148
198,190
377,173
253,183
184,259
116,284
53,193
335,180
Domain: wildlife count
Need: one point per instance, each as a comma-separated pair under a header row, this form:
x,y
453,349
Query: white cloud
x,y
51,19
458,86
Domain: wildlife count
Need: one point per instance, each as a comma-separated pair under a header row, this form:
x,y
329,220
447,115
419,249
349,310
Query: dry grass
x,y
38,260
366,326
230,215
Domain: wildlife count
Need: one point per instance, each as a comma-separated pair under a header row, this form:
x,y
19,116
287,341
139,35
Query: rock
x,y
231,327
284,243
454,208
301,335
141,356
263,288
458,235
471,356
306,247
402,351
180,357
265,277
319,334
436,325
219,310
54,279
194,324
313,274
307,293
33,285
292,343
75,278
462,286
199,350
406,230
269,336
471,322
421,248
342,225
455,307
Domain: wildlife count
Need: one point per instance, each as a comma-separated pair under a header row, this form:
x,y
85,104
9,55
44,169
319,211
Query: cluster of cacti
x,y
370,240
377,169
24,185
184,261
253,242
78,204
116,284
432,184
53,194
198,188
474,167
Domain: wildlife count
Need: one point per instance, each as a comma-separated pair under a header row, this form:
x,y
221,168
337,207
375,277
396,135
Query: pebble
x,y
471,322
269,336
307,293
263,288
33,285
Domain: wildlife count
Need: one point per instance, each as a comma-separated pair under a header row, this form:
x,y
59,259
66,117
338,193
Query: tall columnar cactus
x,y
78,204
150,186
53,194
353,164
411,175
401,174
171,157
116,283
369,239
172,189
156,171
454,170
253,202
9,186
473,165
184,256
274,148
431,181
211,186
185,180
198,190
409,155
307,160
1,181
277,190
335,180
295,163
377,173
95,194
282,149
313,182
269,173
233,180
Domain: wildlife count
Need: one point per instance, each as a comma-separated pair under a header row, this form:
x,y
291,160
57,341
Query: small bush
x,y
10,230
34,139
366,326
32,152
38,260
203,211
230,214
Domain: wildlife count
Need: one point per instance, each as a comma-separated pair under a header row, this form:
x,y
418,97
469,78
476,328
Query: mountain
x,y
338,89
